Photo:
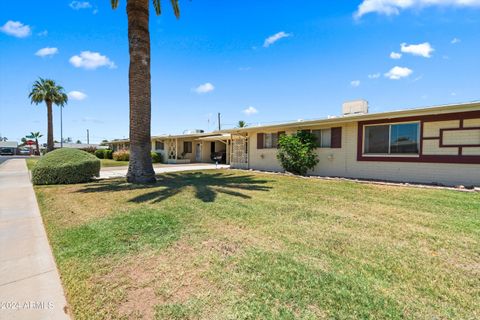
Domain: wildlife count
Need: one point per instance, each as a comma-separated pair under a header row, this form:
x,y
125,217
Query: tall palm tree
x,y
36,136
46,90
140,169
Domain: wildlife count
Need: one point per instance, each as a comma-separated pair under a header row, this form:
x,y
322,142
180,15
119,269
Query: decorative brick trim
x,y
460,158
443,145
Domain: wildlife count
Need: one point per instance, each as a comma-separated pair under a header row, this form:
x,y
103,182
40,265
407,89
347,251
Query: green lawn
x,y
105,163
240,245
113,163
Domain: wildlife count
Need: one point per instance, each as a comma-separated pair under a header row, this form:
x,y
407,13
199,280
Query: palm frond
x,y
47,90
114,4
157,6
176,8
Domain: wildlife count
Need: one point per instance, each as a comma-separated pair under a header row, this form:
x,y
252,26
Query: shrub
x,y
90,150
107,154
100,154
121,155
157,157
103,153
65,166
297,152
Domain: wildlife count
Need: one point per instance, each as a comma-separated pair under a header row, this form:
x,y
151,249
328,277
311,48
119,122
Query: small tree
x,y
297,152
241,124
36,136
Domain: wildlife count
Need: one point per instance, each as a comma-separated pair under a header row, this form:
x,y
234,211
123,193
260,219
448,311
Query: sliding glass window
x,y
400,139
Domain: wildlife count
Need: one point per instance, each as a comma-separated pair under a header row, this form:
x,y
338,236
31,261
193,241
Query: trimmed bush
x,y
66,166
100,154
296,152
107,154
103,153
157,157
121,155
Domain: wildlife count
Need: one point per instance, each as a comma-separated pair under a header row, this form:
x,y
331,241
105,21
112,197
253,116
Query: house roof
x,y
173,136
475,105
8,144
216,137
79,145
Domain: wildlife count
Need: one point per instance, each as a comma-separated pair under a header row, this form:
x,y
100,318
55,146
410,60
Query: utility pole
x,y
88,136
219,123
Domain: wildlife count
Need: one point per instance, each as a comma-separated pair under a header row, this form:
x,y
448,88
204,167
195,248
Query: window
x,y
159,145
324,137
270,140
404,138
392,139
187,147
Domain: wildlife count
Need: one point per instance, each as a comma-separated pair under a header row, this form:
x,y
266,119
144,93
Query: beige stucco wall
x,y
343,163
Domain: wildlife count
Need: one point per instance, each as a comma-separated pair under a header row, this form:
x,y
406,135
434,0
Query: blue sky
x,y
257,61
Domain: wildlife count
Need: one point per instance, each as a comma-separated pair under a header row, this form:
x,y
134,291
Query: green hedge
x,y
100,154
157,157
65,166
104,154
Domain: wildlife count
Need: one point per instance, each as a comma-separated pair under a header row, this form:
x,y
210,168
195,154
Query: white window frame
x,y
389,154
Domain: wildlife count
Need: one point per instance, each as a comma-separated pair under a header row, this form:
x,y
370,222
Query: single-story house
x,y
81,146
8,147
438,144
197,147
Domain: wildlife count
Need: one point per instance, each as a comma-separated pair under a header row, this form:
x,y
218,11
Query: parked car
x,y
24,152
7,151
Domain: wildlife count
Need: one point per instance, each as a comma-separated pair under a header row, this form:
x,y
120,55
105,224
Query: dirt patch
x,y
176,275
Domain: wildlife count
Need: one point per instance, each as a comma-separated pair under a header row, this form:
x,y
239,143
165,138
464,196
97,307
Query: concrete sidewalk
x,y
30,286
116,172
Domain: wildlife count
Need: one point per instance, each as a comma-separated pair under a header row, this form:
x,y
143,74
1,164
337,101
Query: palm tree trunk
x,y
50,126
38,147
140,169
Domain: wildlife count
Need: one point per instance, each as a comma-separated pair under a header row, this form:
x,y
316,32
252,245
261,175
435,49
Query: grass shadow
x,y
206,185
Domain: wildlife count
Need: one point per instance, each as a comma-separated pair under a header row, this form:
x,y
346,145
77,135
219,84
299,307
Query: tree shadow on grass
x,y
206,186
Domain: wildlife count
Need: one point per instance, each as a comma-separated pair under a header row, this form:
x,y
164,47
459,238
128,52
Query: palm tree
x,y
46,90
140,169
36,136
241,124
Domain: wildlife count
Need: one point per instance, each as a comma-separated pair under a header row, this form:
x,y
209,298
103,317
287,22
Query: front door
x,y
198,152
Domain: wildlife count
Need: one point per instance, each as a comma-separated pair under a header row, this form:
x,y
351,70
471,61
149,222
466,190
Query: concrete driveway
x,y
119,172
30,286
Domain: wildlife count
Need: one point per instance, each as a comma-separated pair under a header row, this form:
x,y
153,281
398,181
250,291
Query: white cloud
x,y
274,38
91,60
374,76
250,111
77,95
16,29
393,7
455,41
44,52
397,73
204,88
355,83
44,33
395,55
77,5
422,49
